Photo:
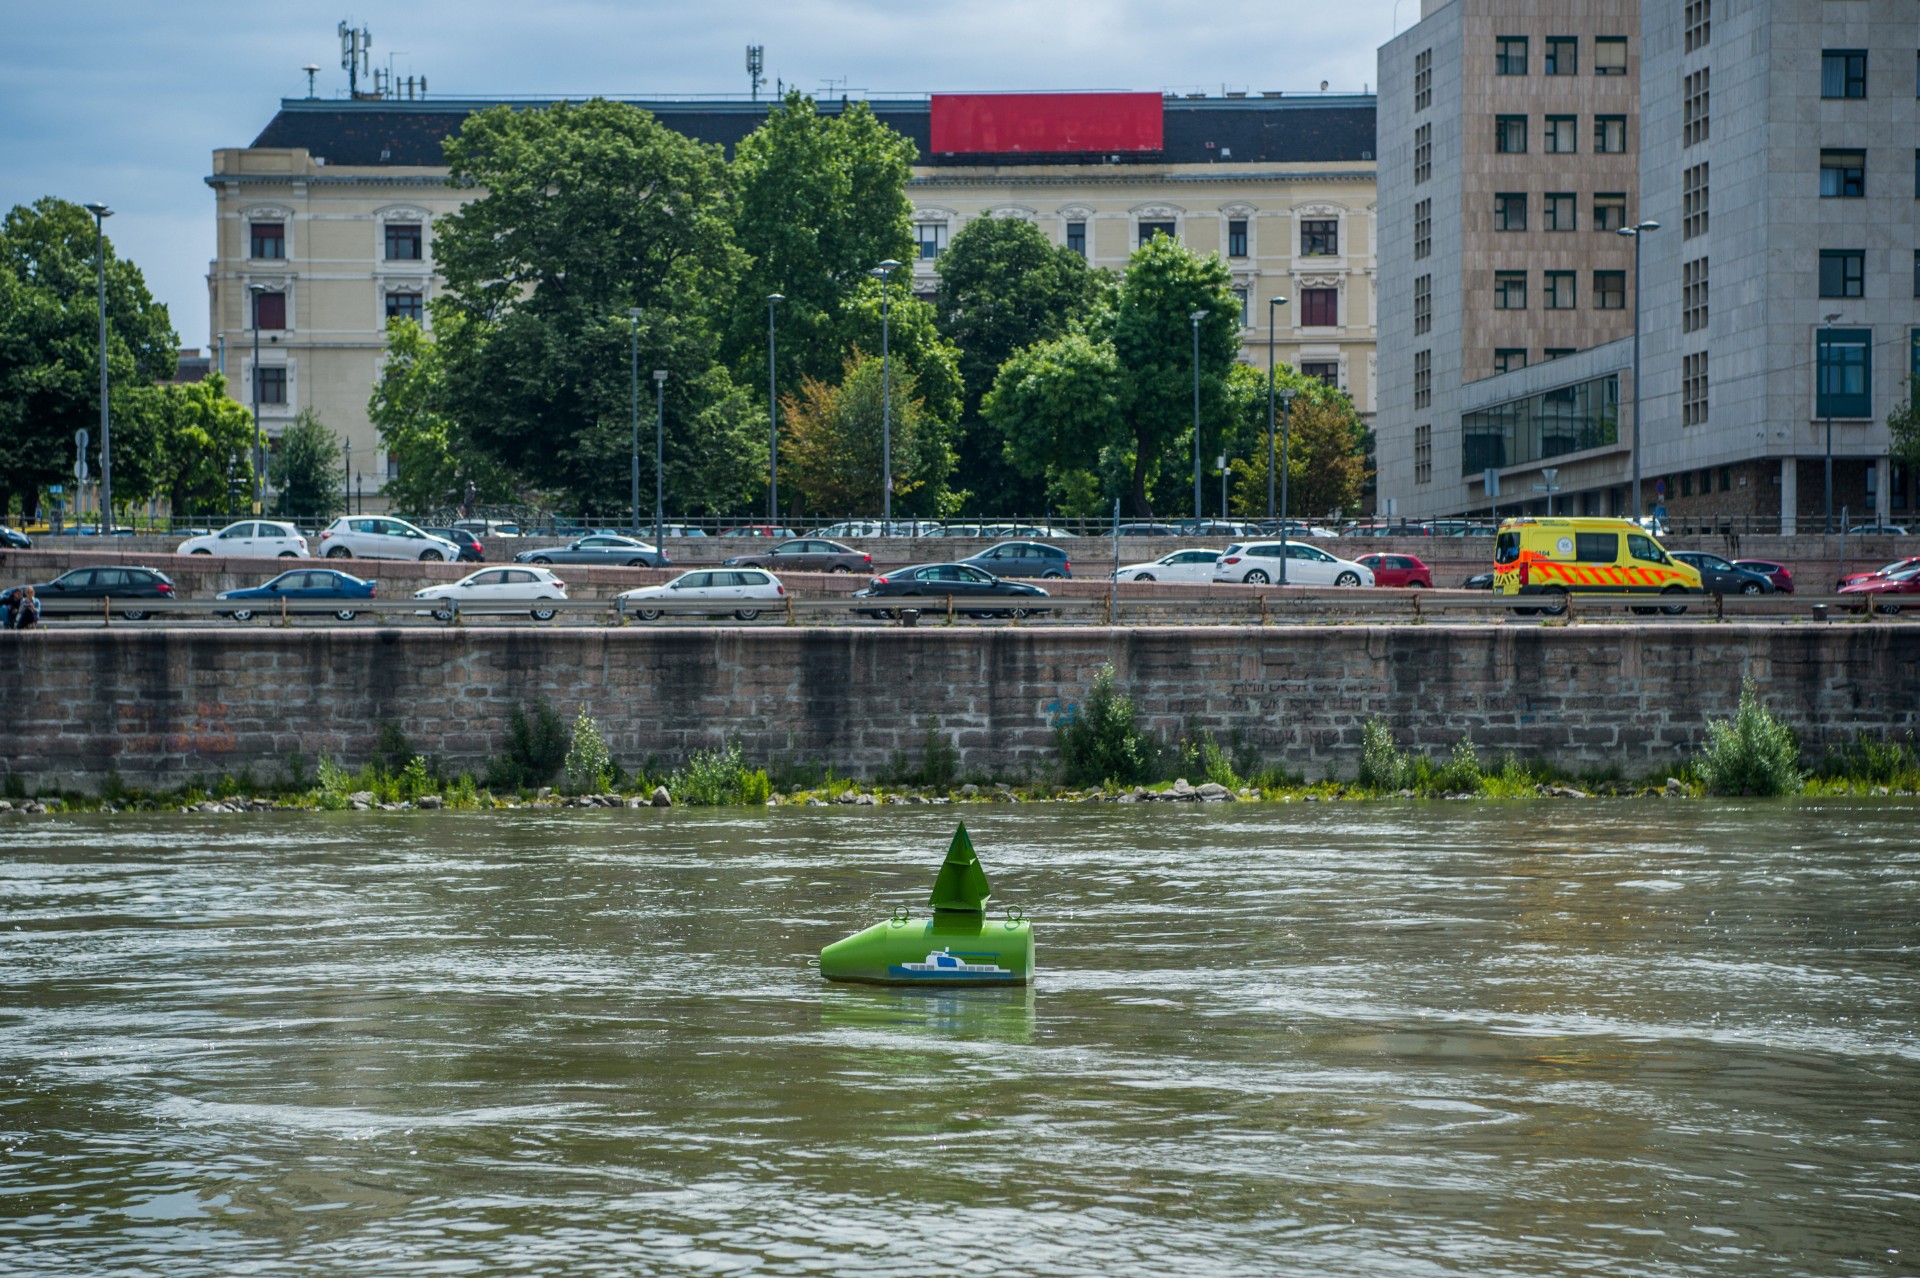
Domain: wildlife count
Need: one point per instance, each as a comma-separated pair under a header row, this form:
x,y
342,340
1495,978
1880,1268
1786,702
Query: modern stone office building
x,y
331,213
1778,147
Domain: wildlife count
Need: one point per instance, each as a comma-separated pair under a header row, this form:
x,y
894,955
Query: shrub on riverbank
x,y
535,749
713,778
1101,742
1753,754
1868,764
589,768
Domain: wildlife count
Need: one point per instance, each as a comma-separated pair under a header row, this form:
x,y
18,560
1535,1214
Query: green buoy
x,y
957,946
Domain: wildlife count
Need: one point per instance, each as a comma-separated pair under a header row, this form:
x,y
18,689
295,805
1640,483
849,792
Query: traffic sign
x,y
80,470
80,438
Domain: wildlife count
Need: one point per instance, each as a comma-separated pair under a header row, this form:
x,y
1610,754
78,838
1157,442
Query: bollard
x,y
909,616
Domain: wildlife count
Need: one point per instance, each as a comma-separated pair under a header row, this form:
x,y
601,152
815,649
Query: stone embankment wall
x,y
165,705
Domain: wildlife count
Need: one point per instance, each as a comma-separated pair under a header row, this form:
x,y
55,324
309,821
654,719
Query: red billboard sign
x,y
1045,123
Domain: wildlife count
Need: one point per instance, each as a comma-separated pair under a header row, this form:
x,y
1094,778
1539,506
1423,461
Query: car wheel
x,y
431,556
288,554
135,614
540,559
1750,588
1347,579
840,568
339,552
888,614
1051,576
1673,609
1417,584
443,614
747,614
203,551
243,614
1145,576
545,614
637,563
1019,614
1889,609
1556,602
1255,578
647,614
345,614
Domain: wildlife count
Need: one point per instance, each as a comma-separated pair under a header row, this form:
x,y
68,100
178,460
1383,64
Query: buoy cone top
x,y
962,884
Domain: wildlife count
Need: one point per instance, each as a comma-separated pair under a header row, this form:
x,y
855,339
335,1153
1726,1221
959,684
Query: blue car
x,y
302,585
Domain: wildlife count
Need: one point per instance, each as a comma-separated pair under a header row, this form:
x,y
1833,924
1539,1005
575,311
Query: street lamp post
x,y
1637,232
1271,303
359,494
1286,436
884,273
1825,363
100,215
633,317
1196,317
259,435
346,448
773,418
659,456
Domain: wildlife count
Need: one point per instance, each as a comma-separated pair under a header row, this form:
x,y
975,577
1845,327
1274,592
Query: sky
x,y
125,101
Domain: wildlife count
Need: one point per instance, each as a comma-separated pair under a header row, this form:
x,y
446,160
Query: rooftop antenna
x,y
756,62
355,50
312,69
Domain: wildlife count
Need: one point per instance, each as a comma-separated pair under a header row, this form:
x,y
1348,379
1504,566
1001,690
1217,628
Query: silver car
x,y
382,537
601,548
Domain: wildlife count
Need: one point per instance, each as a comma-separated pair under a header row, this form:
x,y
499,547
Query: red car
x,y
1398,570
1884,593
1896,567
1781,575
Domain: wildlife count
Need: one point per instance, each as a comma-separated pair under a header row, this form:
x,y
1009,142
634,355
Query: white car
x,y
1181,565
1258,562
249,537
382,537
745,592
495,589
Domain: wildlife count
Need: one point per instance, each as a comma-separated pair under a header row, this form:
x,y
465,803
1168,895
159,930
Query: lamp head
x,y
660,375
258,288
1647,226
775,297
1197,316
1275,301
98,209
889,265
1287,393
1830,320
634,312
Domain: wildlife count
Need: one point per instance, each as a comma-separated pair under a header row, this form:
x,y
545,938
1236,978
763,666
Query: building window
x,y
1610,55
1916,173
1510,211
1423,454
1693,201
1843,358
1843,272
1843,174
931,237
1423,79
1693,295
1422,379
1509,290
1510,134
1150,229
1610,290
1843,73
1699,23
1916,275
1423,300
1559,207
1568,419
1237,237
404,242
1561,135
269,310
407,306
1695,104
1609,134
1422,153
1560,290
1320,237
1320,307
1510,55
1558,352
1422,228
1077,237
272,383
1328,373
1563,55
1609,210
1509,359
1245,314
269,241
1686,483
1693,389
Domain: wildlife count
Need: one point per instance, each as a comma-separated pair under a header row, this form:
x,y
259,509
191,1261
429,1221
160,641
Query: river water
x,y
1636,1037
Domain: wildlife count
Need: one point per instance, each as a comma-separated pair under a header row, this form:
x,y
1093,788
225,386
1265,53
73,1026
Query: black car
x,y
936,583
1720,577
1022,559
80,590
471,551
14,539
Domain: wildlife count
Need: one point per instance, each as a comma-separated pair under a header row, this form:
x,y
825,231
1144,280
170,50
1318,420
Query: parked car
x,y
1258,562
1479,581
1886,594
1398,570
986,594
261,537
471,551
1294,528
1147,530
80,590
382,537
1718,576
1779,574
496,586
953,530
1876,530
1213,528
301,585
1020,530
1022,559
680,530
1885,570
605,548
758,530
745,592
1181,565
805,554
488,528
14,539
848,528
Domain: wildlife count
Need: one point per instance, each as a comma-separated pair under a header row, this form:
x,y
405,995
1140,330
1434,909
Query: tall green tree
x,y
50,356
589,212
435,461
307,469
208,445
1903,426
1138,417
1004,285
831,443
1325,459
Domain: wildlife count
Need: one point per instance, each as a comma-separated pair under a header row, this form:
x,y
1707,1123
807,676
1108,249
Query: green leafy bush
x,y
589,768
1383,765
1461,773
536,749
1871,761
1101,743
1209,760
713,778
333,784
1755,754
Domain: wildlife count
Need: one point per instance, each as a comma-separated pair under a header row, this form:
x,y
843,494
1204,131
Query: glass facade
x,y
1568,419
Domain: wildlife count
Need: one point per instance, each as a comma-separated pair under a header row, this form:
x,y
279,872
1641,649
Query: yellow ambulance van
x,y
1554,558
